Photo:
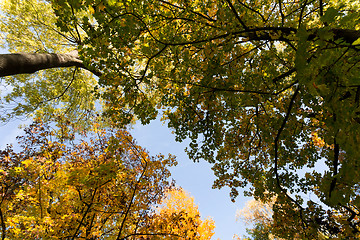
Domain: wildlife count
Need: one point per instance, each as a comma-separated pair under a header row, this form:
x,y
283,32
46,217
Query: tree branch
x,y
335,165
285,74
277,138
3,227
281,13
61,94
251,9
22,63
301,13
237,15
276,149
151,234
321,8
131,201
85,214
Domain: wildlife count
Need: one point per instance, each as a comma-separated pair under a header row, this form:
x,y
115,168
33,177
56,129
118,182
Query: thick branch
x,y
20,63
348,35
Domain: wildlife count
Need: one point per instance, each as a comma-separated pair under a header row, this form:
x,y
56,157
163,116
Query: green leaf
x,y
330,15
356,42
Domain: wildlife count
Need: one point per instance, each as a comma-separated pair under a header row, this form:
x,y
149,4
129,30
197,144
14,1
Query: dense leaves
x,y
103,186
178,215
267,91
262,88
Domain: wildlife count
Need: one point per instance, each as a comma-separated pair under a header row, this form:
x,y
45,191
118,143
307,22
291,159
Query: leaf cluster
x,y
102,186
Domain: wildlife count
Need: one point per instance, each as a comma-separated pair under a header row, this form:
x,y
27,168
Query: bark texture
x,y
20,63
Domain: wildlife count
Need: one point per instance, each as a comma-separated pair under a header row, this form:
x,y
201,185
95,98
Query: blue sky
x,y
195,178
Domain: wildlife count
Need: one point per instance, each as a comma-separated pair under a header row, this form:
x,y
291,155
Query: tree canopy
x,y
98,185
178,214
267,91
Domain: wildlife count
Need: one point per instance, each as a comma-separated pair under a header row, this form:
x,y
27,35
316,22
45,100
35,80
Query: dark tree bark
x,y
264,33
20,63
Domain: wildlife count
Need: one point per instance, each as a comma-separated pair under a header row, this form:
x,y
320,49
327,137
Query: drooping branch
x,y
61,94
21,63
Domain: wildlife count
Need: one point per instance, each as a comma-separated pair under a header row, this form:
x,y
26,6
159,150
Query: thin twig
x,y
61,94
251,9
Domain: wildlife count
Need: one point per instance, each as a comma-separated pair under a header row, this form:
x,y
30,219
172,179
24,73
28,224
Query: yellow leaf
x,y
101,7
91,10
27,162
356,42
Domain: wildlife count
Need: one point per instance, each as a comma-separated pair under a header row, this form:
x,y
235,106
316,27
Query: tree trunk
x,y
19,63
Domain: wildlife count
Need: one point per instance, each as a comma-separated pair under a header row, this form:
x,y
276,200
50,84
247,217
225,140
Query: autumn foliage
x,y
177,214
95,185
267,91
